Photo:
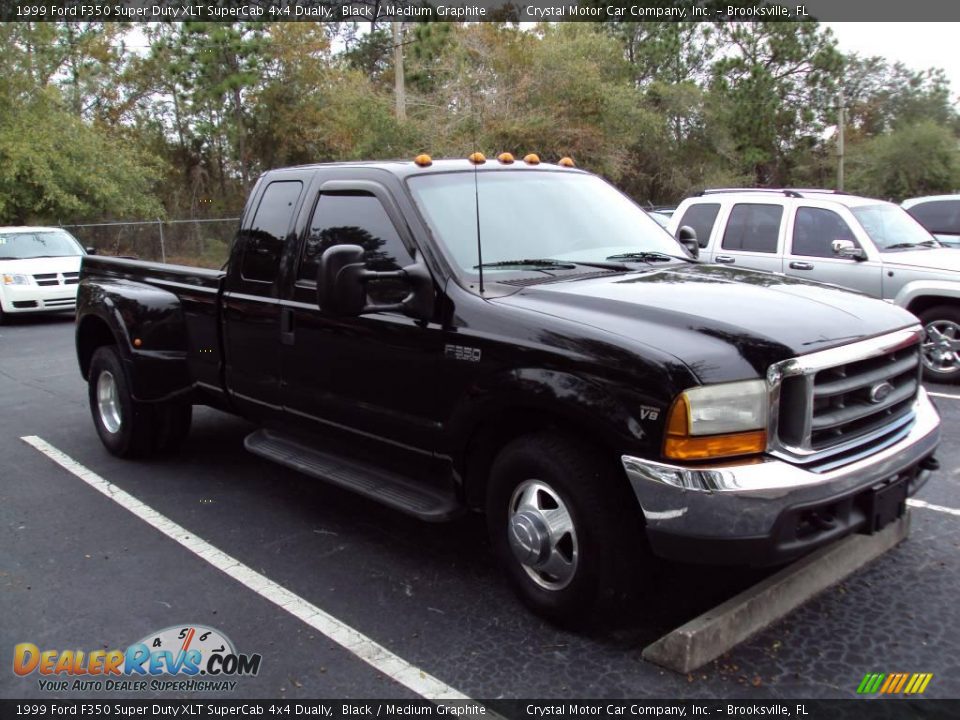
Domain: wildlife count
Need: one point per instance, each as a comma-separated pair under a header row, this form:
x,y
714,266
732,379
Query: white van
x,y
39,270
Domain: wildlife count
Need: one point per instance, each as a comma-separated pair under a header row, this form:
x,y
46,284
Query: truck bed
x,y
173,309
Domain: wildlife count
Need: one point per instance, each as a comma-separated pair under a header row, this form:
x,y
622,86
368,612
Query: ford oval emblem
x,y
880,392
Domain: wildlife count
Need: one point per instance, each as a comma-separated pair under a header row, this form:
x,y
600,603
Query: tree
x,y
918,159
881,97
774,89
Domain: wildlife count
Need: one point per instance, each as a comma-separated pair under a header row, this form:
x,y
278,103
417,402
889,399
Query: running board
x,y
397,491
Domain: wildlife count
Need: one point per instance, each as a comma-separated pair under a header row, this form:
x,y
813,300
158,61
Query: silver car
x,y
940,214
868,245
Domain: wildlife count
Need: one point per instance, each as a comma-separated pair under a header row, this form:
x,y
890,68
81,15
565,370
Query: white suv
x,y
39,270
868,245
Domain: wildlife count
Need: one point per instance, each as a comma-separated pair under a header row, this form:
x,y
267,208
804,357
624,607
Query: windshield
x,y
38,243
535,216
892,228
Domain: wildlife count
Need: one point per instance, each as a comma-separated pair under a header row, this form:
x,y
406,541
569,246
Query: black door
x,y
251,303
369,376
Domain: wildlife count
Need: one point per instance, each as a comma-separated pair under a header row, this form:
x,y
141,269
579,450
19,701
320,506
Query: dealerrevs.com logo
x,y
178,658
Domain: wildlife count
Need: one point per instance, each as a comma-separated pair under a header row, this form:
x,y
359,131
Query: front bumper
x,y
36,298
767,511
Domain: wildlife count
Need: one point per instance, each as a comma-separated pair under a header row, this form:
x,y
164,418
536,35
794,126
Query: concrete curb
x,y
708,636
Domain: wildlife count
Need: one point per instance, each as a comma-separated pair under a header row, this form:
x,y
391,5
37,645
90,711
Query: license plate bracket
x,y
886,502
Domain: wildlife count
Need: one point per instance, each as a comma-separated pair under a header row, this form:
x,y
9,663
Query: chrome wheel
x,y
542,535
941,346
108,402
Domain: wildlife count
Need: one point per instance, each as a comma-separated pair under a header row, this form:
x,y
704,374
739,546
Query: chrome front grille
x,y
833,404
857,398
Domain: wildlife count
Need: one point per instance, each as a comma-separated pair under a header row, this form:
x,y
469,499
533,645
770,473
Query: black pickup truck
x,y
521,339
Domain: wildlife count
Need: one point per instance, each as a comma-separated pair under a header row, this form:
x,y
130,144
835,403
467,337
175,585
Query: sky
x,y
918,45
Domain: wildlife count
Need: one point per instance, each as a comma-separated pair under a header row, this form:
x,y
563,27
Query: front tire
x,y
566,529
941,344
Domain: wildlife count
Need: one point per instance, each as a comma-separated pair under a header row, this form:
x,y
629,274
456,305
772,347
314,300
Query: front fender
x,y
622,417
147,326
917,289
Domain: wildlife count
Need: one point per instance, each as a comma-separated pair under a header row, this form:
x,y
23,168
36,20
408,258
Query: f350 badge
x,y
461,352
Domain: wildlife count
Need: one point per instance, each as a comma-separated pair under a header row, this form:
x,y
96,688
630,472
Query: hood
x,y
723,323
933,259
35,266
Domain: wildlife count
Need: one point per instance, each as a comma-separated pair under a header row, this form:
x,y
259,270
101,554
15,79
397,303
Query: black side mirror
x,y
342,280
90,250
687,237
340,288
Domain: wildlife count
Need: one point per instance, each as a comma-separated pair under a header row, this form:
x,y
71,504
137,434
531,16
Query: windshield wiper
x,y
647,256
900,246
529,262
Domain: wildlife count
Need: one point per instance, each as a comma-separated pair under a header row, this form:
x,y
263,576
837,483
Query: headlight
x,y
15,279
718,421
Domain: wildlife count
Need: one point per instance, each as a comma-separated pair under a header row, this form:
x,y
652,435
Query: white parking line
x,y
351,640
943,395
930,506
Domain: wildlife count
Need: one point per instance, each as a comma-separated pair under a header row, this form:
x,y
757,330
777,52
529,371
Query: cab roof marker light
x,y
505,158
477,158
423,160
566,162
532,159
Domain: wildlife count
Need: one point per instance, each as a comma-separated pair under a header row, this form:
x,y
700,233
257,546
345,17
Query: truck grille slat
x,y
846,384
860,409
831,410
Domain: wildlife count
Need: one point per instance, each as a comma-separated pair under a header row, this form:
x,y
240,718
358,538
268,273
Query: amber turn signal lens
x,y
532,159
566,162
137,342
423,160
477,158
715,446
505,158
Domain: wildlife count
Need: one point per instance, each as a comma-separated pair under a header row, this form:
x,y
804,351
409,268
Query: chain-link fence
x,y
199,242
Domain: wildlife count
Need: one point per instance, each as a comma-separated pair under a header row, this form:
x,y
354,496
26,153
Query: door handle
x,y
801,266
286,326
728,259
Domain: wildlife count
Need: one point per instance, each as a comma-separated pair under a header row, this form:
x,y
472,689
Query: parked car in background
x,y
868,245
661,218
939,214
39,270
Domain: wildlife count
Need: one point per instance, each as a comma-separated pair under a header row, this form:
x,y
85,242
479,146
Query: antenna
x,y
476,198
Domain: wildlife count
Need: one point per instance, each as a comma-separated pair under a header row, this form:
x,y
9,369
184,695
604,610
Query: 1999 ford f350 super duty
x,y
522,339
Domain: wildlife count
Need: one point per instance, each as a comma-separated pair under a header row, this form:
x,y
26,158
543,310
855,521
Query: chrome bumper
x,y
745,500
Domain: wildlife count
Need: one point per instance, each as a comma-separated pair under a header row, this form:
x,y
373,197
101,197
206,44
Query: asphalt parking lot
x,y
77,570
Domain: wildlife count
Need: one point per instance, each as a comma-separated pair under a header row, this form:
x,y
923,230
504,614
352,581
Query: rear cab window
x,y
753,227
265,238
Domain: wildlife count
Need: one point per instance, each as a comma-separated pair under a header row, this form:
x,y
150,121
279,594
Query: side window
x,y
938,216
357,219
264,239
701,217
814,231
753,227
